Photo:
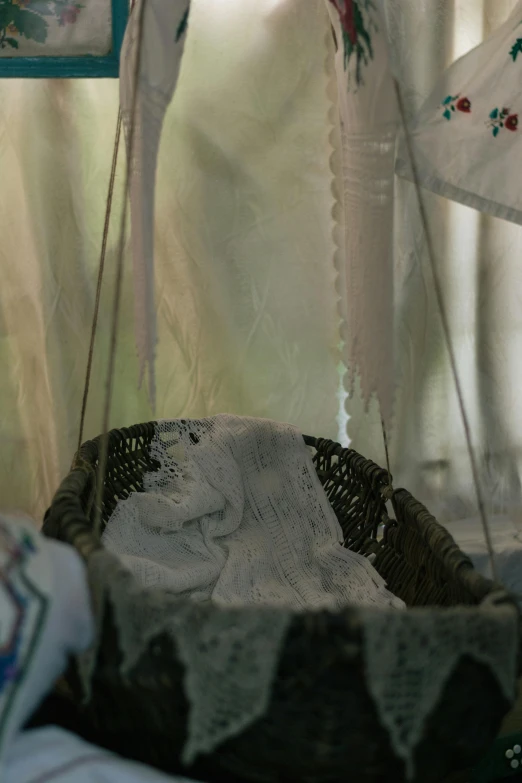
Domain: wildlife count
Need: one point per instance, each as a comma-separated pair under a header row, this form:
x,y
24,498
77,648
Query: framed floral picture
x,y
61,38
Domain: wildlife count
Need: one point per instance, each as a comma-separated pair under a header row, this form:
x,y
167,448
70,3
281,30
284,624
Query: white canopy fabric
x,y
150,63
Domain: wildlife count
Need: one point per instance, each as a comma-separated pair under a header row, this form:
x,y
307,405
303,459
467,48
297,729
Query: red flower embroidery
x,y
464,104
501,119
349,21
347,16
69,14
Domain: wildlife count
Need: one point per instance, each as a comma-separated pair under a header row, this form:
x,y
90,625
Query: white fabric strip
x,y
162,44
369,120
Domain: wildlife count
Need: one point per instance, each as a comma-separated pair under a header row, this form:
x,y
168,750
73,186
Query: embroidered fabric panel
x,y
55,28
23,609
466,136
369,120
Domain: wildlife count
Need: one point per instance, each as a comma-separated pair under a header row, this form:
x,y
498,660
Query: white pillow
x,y
45,616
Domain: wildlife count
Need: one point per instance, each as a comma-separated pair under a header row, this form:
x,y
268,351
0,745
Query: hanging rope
x,y
101,269
386,451
104,440
446,331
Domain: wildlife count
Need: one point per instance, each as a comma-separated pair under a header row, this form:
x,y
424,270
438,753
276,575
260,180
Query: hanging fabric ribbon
x,y
369,120
466,137
162,43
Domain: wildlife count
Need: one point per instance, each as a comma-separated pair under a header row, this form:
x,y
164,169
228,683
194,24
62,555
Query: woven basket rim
x,y
67,520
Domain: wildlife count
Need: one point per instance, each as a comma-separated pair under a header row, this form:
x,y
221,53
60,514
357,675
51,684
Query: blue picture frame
x,y
82,67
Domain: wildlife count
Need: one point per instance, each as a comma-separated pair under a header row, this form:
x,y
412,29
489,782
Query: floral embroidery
x,y
69,14
16,594
27,19
464,104
502,118
357,23
454,103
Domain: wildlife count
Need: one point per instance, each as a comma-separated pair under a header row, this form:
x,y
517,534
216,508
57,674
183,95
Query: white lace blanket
x,y
237,515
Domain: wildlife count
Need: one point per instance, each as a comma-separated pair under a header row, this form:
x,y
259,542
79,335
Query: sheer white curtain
x,y
245,280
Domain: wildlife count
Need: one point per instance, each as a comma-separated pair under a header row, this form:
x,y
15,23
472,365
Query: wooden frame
x,y
84,66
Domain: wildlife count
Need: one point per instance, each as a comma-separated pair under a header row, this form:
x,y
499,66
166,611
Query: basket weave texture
x,y
322,724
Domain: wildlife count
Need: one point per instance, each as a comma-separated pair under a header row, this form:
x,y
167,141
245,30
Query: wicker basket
x,y
322,724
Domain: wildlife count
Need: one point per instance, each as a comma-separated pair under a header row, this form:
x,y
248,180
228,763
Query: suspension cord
x,y
446,331
109,385
101,269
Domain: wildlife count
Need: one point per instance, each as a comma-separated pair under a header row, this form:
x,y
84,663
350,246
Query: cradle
x,y
321,724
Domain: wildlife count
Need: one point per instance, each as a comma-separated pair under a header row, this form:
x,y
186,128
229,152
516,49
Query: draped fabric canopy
x,y
246,246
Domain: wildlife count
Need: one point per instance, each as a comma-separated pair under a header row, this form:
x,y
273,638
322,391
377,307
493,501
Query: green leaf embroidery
x,y
17,19
34,27
183,24
516,49
447,100
447,114
494,114
362,31
496,130
29,24
357,23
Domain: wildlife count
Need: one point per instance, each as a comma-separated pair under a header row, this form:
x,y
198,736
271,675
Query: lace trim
x,y
410,656
336,188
